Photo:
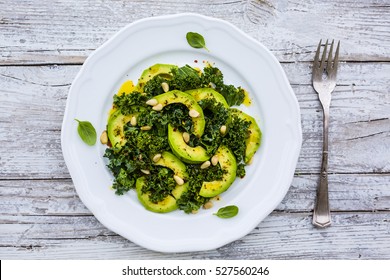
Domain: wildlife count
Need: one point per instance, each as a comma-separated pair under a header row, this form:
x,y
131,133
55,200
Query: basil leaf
x,y
196,40
87,132
227,212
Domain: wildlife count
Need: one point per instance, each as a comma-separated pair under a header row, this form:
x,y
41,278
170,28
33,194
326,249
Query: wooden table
x,y
44,43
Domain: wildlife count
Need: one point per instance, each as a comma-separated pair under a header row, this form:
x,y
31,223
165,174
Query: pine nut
x,y
104,138
205,165
194,211
178,180
152,102
147,172
156,157
186,137
223,129
158,107
133,121
208,205
146,127
212,85
165,86
194,114
214,160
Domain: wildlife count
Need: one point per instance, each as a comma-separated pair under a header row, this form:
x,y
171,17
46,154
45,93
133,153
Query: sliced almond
x,y
165,86
194,114
145,171
133,121
214,160
146,127
152,102
186,137
178,180
158,107
205,165
208,205
156,157
223,129
212,85
104,138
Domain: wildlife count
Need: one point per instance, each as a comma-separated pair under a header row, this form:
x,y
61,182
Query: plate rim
x,y
101,216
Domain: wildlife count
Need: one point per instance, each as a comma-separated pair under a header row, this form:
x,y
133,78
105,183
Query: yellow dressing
x,y
247,101
126,88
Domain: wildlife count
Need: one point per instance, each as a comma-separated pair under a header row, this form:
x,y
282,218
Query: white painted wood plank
x,y
279,236
32,102
67,31
58,197
45,219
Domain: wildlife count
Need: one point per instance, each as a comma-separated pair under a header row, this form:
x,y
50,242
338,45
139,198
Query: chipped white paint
x,y
41,216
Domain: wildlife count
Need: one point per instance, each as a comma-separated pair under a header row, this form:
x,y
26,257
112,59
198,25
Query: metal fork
x,y
324,82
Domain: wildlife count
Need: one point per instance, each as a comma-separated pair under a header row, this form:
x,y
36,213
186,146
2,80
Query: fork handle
x,y
321,215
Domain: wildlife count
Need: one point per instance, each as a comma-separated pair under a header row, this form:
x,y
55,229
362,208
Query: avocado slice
x,y
115,125
169,203
228,164
254,140
172,162
183,151
116,122
166,205
176,96
158,69
208,93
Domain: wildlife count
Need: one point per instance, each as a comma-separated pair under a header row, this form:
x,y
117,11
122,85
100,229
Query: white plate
x,y
244,62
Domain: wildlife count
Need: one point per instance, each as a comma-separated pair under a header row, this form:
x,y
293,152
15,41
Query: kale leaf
x,y
153,86
185,78
159,184
216,115
126,102
191,200
212,76
236,137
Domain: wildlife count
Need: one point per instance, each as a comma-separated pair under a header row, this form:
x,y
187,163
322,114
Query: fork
x,y
324,82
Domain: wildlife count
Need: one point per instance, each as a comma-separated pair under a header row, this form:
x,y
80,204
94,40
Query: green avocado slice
x,y
208,93
228,164
183,151
172,162
149,73
169,203
166,205
253,142
176,96
115,125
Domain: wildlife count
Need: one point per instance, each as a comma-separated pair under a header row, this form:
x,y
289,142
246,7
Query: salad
x,y
176,139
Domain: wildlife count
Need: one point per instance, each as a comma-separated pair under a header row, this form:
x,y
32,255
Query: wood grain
x,y
279,236
291,29
33,103
42,45
363,193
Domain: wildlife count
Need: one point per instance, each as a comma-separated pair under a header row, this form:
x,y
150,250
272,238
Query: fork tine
x,y
330,64
315,63
322,66
336,61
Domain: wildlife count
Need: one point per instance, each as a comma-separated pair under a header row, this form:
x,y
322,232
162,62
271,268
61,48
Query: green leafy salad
x,y
175,138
